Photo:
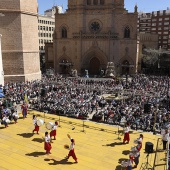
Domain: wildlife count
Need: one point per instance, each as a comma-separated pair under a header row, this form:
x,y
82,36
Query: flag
x,y
26,98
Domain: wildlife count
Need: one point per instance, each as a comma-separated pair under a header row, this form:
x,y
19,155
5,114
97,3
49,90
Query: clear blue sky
x,y
143,5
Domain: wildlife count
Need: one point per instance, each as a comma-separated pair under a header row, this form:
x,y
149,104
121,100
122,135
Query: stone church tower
x,y
94,32
19,29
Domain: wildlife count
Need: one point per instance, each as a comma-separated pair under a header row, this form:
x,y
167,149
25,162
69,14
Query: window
x,y
95,2
44,28
88,2
166,23
153,24
49,35
165,32
165,37
49,28
166,28
64,32
166,19
127,32
160,19
101,2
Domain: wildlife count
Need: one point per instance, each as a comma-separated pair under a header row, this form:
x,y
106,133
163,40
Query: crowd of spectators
x,y
84,97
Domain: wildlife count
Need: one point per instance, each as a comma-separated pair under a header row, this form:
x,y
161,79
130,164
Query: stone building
x,y
92,33
20,51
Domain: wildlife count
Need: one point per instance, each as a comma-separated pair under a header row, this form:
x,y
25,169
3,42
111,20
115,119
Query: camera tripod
x,y
146,165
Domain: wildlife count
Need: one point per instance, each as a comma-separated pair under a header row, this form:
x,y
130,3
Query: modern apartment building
x,y
156,22
46,25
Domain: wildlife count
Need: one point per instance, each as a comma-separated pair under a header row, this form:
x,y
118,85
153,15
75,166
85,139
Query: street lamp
x,y
1,65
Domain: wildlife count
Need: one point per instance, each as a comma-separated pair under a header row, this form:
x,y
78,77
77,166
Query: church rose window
x,y
127,32
64,32
95,26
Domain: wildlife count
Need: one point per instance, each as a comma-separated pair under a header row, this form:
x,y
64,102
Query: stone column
x,y
1,66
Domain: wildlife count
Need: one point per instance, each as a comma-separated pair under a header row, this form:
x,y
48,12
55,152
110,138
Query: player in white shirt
x,y
126,134
71,152
165,138
53,131
47,143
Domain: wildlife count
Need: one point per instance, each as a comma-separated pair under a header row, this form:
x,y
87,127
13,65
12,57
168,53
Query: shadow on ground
x,y
26,135
55,162
40,140
35,154
118,167
114,144
126,152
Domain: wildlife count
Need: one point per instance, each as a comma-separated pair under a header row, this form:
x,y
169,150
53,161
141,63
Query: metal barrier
x,y
82,124
161,157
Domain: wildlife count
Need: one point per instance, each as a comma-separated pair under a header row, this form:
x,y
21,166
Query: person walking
x,y
72,146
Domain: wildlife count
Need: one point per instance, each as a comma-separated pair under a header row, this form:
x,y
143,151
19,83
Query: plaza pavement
x,y
97,146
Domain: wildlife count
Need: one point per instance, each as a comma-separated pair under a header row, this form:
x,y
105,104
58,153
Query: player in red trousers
x,y
53,132
126,133
71,152
47,143
35,124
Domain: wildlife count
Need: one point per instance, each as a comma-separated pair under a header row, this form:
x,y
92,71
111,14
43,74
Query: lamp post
x,y
1,65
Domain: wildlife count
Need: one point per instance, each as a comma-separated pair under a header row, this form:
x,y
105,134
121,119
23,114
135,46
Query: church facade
x,y
92,33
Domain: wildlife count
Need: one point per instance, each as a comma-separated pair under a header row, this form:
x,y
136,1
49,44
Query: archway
x,y
94,66
65,66
94,60
125,67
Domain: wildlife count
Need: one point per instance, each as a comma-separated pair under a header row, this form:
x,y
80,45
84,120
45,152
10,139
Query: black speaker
x,y
43,92
149,147
147,108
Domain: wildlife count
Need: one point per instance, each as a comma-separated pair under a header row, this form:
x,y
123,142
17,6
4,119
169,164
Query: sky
x,y
143,5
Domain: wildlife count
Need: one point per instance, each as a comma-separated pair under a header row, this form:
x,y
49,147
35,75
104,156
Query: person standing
x,y
165,138
24,108
35,124
71,152
53,131
129,164
47,143
136,158
126,134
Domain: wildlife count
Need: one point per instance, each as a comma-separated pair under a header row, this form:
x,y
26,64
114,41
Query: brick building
x,y
156,22
92,33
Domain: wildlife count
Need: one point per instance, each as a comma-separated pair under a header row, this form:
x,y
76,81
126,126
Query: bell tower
x,y
20,53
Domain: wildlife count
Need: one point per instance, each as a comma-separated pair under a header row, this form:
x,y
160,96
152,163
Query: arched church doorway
x,y
65,66
94,66
125,67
